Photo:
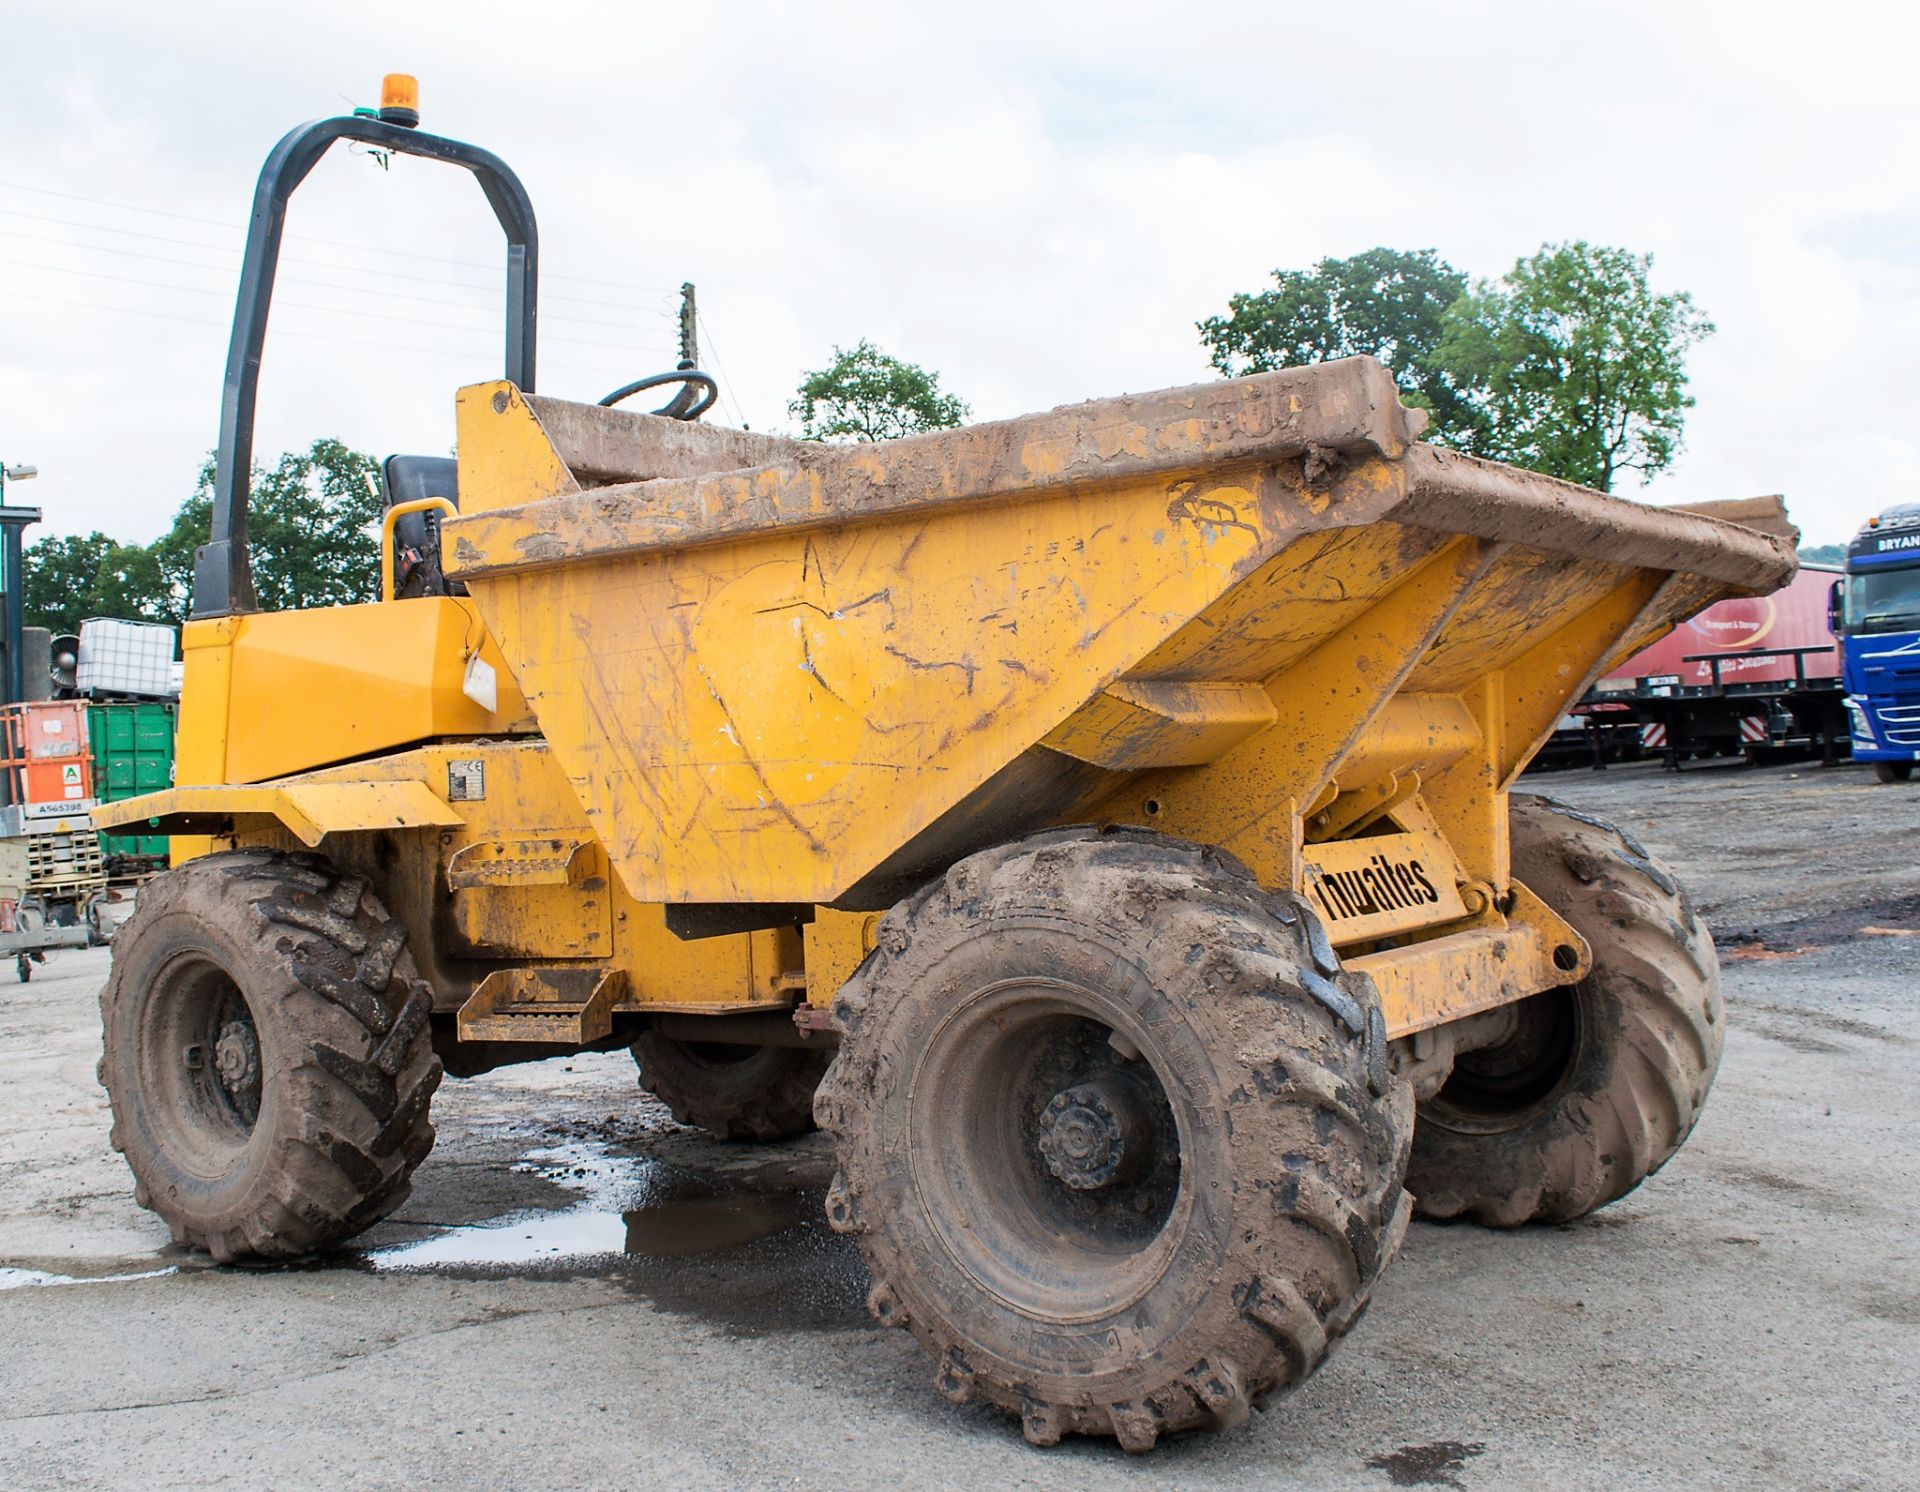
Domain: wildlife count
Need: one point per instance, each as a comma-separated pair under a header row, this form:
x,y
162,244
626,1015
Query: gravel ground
x,y
580,1294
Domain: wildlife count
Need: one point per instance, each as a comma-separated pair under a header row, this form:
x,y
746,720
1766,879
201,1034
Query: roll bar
x,y
222,568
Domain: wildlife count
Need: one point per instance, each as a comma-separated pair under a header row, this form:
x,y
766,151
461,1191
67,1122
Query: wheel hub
x,y
1090,1136
236,1057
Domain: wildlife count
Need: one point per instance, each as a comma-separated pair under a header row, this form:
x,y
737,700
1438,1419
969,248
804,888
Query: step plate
x,y
564,1006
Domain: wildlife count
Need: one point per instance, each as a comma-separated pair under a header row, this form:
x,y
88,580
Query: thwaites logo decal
x,y
1368,888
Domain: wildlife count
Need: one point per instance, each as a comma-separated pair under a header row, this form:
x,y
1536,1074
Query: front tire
x,y
1595,1086
1892,771
266,1054
1115,1134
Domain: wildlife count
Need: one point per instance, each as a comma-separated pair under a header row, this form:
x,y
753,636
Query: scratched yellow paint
x,y
760,685
591,917
504,455
275,693
311,810
769,719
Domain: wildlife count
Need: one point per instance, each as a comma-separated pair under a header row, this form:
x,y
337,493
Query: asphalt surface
x,y
581,1294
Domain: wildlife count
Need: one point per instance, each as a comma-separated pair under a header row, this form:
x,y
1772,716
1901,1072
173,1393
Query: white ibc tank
x,y
126,658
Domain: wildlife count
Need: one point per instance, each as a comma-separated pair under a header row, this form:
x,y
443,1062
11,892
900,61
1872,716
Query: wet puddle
x,y
751,1260
632,1206
738,1240
19,1279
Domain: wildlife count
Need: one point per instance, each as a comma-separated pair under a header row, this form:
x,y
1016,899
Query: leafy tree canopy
x,y
312,530
866,395
70,577
1570,365
1578,367
1386,303
312,527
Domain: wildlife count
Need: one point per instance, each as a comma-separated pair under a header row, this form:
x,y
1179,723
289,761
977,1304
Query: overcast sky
x,y
1038,201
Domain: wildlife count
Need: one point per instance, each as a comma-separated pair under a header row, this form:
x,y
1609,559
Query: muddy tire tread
x,y
354,1107
1266,1335
1658,984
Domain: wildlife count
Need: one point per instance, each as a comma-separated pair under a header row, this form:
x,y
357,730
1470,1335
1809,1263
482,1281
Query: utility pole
x,y
689,328
13,521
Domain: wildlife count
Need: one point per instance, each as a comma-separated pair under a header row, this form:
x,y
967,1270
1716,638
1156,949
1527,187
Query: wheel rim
x,y
1046,1151
1506,1086
201,1060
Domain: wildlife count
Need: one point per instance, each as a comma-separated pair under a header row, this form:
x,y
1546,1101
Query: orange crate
x,y
43,728
47,756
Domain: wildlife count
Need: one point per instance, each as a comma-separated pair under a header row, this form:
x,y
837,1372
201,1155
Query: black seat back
x,y
416,536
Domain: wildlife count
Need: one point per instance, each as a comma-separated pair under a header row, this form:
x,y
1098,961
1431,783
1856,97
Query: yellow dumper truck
x,y
1099,821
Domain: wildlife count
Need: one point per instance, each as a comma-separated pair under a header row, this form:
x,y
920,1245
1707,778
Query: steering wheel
x,y
698,393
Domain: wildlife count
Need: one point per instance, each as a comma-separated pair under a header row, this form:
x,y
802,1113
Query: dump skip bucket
x,y
792,673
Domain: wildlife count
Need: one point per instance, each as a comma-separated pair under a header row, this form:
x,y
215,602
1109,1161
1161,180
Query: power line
x,y
491,287
314,238
446,352
94,274
54,300
726,387
41,217
100,248
228,270
349,269
152,212
706,330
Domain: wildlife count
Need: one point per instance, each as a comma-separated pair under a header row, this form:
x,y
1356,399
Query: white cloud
x,y
1038,201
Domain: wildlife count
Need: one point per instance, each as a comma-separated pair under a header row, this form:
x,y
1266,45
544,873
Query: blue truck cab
x,y
1875,612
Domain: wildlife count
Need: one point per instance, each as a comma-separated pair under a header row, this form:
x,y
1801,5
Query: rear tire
x,y
1893,771
266,1054
757,1093
1598,1084
1116,1136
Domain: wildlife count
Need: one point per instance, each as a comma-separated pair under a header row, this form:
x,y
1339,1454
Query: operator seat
x,y
416,536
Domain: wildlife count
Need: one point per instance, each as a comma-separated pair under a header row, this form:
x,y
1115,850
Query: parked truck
x,y
1875,609
1099,821
1750,676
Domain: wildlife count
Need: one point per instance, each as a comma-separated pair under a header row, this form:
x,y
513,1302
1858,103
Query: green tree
x,y
70,577
867,395
1386,303
312,530
1823,554
1577,367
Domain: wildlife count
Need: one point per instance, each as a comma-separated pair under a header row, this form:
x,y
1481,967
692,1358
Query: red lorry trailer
x,y
1750,676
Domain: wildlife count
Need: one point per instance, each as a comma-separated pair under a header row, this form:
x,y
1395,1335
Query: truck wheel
x,y
23,966
733,1092
1597,1084
267,1054
1115,1135
99,926
1892,771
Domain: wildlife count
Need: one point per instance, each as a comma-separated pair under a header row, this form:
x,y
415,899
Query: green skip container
x,y
132,753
